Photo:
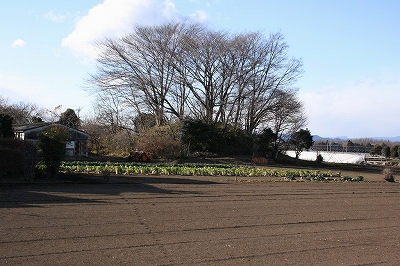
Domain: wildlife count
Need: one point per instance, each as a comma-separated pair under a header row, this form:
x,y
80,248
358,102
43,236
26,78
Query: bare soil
x,y
192,220
167,220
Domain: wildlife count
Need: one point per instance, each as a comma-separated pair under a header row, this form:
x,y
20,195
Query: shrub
x,y
160,142
388,174
198,136
118,143
17,158
6,130
319,158
263,143
103,140
219,138
52,146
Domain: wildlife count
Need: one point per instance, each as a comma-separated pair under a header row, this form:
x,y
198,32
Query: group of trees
x,y
21,112
183,77
180,71
371,146
385,150
188,88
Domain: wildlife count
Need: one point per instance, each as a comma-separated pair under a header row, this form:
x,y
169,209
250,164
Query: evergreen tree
x,y
52,146
70,119
386,151
301,139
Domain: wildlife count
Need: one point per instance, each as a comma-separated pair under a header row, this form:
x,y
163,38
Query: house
x,y
76,146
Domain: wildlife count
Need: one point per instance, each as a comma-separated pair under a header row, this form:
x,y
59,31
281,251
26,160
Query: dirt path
x,y
195,221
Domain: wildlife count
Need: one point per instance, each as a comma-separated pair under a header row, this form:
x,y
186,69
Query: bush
x,y
103,140
198,136
319,158
6,130
18,158
160,142
52,147
235,141
388,174
263,143
118,143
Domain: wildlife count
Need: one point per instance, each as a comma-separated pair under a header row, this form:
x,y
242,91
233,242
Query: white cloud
x,y
200,16
56,17
365,108
18,43
116,18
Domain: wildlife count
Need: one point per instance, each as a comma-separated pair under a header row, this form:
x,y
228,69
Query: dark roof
x,y
25,127
32,126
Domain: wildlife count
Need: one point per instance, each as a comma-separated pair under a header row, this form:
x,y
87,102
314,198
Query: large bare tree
x,y
140,69
179,70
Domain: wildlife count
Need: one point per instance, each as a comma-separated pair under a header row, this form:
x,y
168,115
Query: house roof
x,y
25,128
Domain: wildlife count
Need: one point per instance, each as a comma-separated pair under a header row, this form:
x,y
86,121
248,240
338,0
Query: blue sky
x,y
350,51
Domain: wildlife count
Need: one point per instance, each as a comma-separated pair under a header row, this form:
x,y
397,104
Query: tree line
x,y
178,71
182,86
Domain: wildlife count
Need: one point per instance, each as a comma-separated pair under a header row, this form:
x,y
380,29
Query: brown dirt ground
x,y
169,220
192,220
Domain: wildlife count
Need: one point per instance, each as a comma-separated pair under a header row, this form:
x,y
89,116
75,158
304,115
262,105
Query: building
x,y
76,146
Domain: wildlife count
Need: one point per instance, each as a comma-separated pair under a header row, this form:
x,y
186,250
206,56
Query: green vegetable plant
x,y
133,168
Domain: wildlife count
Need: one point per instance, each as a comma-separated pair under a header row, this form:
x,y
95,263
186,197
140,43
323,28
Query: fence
x,y
340,148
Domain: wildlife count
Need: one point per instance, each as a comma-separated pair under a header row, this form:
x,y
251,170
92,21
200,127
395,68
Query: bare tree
x,y
245,57
285,118
273,75
139,69
180,70
208,73
21,112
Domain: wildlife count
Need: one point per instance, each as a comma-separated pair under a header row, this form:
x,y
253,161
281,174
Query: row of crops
x,y
128,168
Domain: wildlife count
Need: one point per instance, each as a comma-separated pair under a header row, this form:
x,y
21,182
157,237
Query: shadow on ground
x,y
73,189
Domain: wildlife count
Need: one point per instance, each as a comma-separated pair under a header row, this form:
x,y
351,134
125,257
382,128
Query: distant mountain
x,y
341,138
319,138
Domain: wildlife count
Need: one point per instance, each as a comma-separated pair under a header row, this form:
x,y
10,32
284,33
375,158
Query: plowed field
x,y
200,221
